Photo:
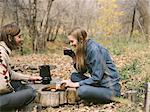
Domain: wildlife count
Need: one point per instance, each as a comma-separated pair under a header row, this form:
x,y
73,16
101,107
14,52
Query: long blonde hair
x,y
81,36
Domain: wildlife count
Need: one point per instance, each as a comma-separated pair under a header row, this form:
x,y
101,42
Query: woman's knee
x,y
31,93
74,76
82,91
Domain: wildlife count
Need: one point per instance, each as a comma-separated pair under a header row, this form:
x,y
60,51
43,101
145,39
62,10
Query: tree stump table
x,y
55,98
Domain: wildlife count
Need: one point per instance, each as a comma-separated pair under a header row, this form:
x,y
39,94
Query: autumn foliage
x,y
108,22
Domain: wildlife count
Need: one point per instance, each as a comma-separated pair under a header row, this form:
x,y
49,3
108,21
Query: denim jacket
x,y
100,66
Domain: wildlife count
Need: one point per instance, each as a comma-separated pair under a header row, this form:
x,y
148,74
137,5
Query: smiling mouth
x,y
20,44
74,45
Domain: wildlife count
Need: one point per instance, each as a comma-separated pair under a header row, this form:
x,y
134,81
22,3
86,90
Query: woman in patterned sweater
x,y
13,94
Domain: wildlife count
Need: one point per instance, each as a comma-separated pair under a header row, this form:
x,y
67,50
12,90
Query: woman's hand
x,y
34,78
69,83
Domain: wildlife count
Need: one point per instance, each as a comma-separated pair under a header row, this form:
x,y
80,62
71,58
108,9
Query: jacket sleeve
x,y
95,64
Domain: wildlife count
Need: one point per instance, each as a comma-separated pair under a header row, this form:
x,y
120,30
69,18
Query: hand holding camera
x,y
69,52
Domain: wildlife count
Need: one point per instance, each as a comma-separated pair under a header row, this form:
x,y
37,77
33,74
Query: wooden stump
x,y
55,98
147,98
62,98
71,95
49,98
37,98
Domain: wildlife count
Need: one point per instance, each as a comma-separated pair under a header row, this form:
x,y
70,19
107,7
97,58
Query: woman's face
x,y
18,39
73,41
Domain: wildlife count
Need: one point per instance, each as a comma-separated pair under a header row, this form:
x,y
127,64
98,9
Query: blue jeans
x,y
96,94
22,96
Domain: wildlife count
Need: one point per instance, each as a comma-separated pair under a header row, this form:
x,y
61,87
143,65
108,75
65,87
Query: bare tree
x,y
32,26
143,7
46,20
4,3
41,39
136,17
37,28
15,10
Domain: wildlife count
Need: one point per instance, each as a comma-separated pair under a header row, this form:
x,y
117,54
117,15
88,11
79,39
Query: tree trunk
x,y
133,19
33,27
41,38
3,11
15,11
55,32
144,9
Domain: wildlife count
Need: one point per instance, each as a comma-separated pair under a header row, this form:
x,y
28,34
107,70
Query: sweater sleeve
x,y
94,62
12,74
18,76
5,86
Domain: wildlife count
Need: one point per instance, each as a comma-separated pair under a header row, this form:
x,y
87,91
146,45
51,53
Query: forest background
x,y
122,26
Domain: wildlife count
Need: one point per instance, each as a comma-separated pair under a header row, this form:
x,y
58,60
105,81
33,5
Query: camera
x,y
69,52
45,74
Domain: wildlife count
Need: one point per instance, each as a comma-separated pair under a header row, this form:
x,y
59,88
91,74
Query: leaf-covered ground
x,y
133,63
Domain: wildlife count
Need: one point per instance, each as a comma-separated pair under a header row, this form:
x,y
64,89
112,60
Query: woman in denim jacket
x,y
13,94
90,57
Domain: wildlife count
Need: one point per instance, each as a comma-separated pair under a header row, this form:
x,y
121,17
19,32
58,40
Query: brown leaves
x,y
63,69
62,64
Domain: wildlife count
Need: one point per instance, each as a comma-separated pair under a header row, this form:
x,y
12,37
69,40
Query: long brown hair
x,y
8,33
80,35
